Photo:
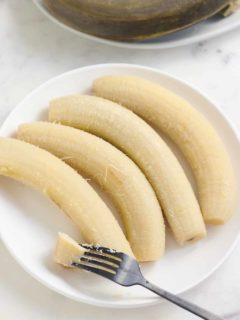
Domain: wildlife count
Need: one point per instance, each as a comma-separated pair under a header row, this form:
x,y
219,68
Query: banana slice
x,y
133,136
192,133
40,169
115,173
67,250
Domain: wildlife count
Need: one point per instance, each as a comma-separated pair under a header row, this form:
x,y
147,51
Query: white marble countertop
x,y
32,50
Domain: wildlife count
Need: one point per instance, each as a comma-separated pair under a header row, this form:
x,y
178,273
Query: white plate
x,y
199,32
29,223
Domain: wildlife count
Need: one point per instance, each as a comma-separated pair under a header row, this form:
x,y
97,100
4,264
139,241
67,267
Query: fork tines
x,y
103,250
100,260
104,273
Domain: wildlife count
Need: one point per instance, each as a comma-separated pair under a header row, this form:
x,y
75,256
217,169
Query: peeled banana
x,y
190,130
140,142
40,169
116,173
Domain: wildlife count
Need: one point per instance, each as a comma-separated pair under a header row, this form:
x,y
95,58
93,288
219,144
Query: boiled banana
x,y
115,173
40,169
140,142
190,130
67,251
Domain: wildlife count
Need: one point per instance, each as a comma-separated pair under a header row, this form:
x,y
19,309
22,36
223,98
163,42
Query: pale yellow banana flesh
x,y
115,173
140,142
45,172
67,250
191,132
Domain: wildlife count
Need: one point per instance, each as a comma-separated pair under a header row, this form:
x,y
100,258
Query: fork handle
x,y
200,312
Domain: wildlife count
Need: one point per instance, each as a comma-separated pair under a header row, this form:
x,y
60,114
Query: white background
x,y
32,50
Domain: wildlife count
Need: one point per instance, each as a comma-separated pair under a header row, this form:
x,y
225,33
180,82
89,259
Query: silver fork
x,y
124,270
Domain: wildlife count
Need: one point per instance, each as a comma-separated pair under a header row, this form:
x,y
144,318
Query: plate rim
x,y
104,304
142,46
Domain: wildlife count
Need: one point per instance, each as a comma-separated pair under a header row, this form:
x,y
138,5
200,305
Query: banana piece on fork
x,y
140,142
67,250
45,172
189,130
115,173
